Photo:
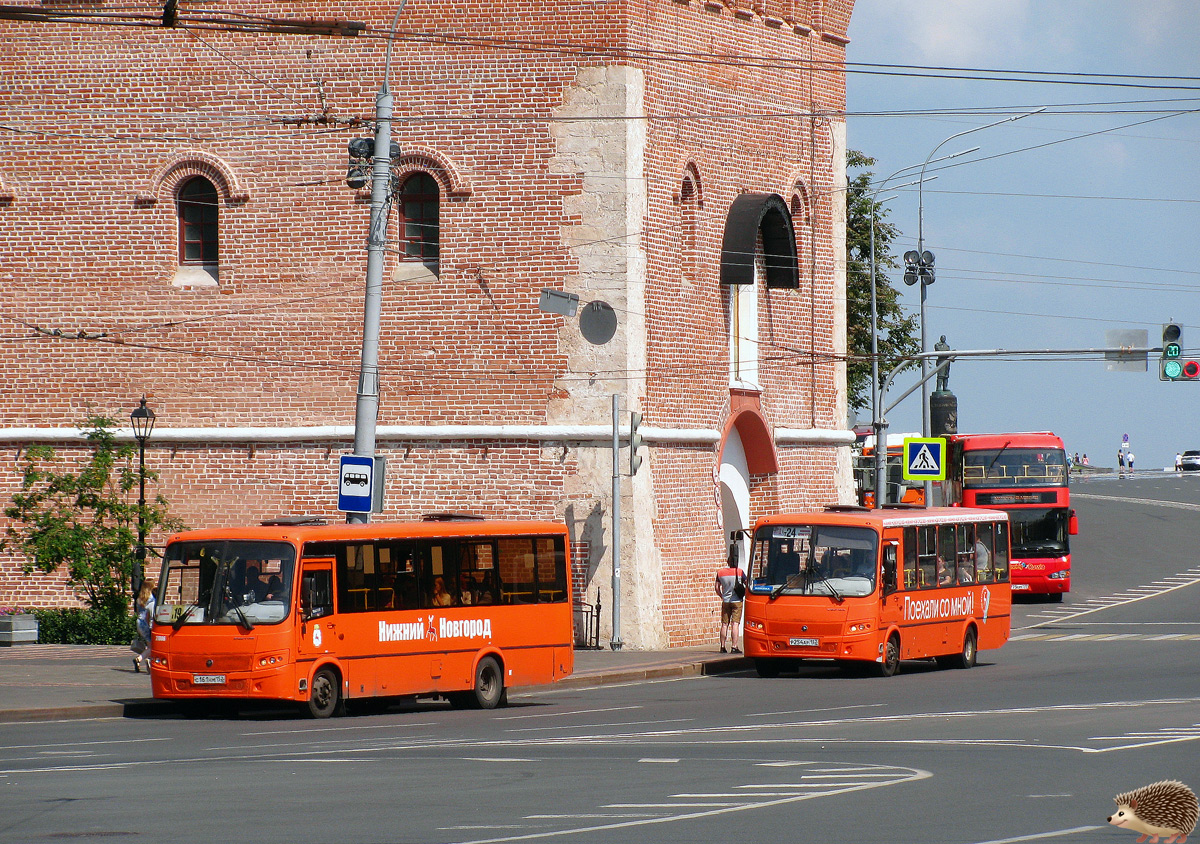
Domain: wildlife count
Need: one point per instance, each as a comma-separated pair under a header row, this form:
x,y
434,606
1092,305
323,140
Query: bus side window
x,y
316,593
551,570
516,567
966,554
946,555
984,572
1000,557
890,583
927,556
911,571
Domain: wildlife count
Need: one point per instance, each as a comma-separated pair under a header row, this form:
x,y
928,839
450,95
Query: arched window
x,y
418,218
197,203
689,219
802,224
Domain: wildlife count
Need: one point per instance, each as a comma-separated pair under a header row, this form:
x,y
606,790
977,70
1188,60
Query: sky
x,y
1043,239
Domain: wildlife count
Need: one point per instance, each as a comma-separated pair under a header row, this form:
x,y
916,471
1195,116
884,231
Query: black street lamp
x,y
142,419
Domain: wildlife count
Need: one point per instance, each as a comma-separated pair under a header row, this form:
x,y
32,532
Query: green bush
x,y
76,626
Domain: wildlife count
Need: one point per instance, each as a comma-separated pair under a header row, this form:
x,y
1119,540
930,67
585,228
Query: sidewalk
x,y
54,682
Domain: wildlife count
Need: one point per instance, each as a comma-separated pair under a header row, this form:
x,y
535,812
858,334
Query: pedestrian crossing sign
x,y
925,459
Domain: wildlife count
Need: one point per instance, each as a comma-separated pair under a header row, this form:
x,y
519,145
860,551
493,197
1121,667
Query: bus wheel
x,y
891,657
970,650
1056,598
324,698
766,667
489,684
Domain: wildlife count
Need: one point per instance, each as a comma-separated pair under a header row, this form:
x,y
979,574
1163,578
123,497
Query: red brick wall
x,y
104,115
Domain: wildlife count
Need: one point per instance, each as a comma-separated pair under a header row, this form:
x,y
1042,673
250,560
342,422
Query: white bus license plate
x,y
1020,587
803,643
208,679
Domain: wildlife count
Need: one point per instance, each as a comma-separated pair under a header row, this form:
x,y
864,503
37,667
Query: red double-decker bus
x,y
1025,475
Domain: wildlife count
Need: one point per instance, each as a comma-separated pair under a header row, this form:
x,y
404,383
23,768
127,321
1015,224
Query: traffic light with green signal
x,y
1172,366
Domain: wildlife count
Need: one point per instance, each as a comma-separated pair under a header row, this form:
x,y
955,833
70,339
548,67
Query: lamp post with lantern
x,y
142,420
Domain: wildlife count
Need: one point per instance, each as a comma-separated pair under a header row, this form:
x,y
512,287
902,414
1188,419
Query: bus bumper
x,y
264,684
1040,577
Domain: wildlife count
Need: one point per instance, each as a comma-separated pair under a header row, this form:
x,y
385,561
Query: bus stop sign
x,y
925,459
360,484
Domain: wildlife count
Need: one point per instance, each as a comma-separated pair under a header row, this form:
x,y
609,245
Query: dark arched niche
x,y
750,214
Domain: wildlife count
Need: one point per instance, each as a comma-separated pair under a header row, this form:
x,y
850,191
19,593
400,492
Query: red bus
x,y
877,586
324,614
1025,475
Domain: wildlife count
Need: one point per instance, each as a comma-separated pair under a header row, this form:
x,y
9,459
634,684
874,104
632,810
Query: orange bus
x,y
324,614
877,586
1025,475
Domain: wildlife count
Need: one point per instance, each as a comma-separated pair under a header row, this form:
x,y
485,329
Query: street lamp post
x,y
142,420
881,449
926,263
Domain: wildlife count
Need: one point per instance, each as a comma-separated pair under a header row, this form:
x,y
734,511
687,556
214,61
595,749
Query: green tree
x,y
898,331
84,521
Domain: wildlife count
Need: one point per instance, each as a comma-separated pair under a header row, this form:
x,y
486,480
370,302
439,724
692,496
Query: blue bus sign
x,y
360,484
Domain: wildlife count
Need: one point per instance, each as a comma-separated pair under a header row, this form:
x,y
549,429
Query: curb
x,y
143,707
654,672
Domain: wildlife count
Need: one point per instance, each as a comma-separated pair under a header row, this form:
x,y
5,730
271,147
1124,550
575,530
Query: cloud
x,y
954,32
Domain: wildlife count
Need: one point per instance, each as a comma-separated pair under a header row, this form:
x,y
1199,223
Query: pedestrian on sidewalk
x,y
1178,463
731,588
144,606
1130,462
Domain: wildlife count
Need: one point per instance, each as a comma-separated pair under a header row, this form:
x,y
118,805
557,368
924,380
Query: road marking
x,y
1191,577
706,809
565,712
1038,836
593,726
660,761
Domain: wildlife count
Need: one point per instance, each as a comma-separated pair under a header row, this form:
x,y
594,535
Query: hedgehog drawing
x,y
1167,808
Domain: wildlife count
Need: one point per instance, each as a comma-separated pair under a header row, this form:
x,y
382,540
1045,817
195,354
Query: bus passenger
x,y
440,597
945,572
983,560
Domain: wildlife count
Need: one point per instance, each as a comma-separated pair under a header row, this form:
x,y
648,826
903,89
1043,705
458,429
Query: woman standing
x,y
145,617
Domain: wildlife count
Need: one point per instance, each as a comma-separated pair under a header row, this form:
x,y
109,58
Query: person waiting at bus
x,y
440,597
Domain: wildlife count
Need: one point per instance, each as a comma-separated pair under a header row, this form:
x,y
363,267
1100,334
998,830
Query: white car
x,y
1190,461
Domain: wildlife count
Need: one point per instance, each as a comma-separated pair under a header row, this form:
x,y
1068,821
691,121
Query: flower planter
x,y
18,629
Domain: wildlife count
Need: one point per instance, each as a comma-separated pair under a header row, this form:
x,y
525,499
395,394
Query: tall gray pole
x,y
615,644
921,250
366,410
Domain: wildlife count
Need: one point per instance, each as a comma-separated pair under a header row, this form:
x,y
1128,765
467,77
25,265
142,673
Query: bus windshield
x,y
226,582
1014,467
1039,532
834,560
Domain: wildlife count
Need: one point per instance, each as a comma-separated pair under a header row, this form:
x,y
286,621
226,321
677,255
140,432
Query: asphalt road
x,y
1094,696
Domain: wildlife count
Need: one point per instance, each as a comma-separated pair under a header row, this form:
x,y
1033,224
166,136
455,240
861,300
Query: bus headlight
x,y
861,627
1058,575
271,660
755,625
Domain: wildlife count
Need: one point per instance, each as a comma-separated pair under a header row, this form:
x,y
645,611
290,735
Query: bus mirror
x,y
1073,524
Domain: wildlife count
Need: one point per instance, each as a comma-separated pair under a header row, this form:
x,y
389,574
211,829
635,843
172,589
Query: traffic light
x,y
918,266
635,442
1172,366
